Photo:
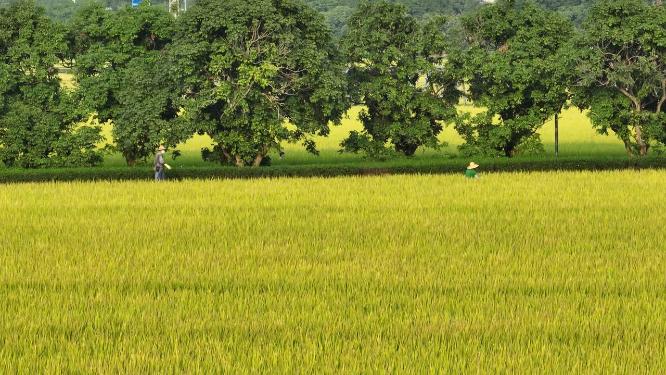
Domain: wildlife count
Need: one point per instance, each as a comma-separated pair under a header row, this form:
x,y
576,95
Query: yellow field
x,y
512,273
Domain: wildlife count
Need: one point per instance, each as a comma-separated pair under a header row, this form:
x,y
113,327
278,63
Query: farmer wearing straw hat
x,y
471,170
160,164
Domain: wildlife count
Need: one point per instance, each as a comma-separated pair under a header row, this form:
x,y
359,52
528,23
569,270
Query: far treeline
x,y
254,74
336,12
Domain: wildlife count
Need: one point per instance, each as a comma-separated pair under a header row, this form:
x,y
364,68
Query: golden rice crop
x,y
543,272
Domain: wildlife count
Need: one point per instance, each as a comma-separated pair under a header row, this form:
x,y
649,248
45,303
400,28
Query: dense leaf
x,y
36,123
123,76
398,71
258,73
515,63
622,71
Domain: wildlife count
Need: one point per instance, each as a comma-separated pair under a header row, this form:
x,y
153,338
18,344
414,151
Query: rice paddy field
x,y
558,272
512,273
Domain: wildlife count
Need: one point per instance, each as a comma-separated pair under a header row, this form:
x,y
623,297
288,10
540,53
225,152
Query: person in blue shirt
x,y
160,164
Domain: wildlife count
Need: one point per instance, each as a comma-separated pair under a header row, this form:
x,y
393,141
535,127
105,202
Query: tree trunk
x,y
662,100
638,128
510,147
628,148
407,148
227,156
130,160
642,145
261,154
239,161
257,160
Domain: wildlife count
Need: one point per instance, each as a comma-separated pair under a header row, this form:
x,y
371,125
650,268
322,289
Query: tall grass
x,y
522,273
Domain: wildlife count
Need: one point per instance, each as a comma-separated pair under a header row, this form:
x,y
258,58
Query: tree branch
x,y
631,97
663,96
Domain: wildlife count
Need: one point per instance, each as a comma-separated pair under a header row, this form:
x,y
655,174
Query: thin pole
x,y
557,134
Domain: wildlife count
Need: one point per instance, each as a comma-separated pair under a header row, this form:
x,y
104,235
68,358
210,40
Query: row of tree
x,y
253,74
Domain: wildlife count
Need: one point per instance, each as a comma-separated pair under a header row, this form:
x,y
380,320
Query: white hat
x,y
472,165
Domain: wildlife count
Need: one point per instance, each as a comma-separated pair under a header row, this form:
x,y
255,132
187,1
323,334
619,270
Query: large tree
x,y
622,71
398,71
256,73
123,75
515,65
37,118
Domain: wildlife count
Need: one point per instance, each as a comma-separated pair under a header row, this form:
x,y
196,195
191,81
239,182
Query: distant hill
x,y
337,11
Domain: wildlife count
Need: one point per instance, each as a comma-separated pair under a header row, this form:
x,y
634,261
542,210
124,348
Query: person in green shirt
x,y
471,170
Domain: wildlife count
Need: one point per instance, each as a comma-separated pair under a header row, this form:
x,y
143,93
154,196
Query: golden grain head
x,y
523,273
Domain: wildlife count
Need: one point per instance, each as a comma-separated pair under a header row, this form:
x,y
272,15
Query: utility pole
x,y
557,134
176,7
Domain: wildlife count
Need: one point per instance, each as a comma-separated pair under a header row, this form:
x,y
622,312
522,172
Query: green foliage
x,y
516,65
337,18
255,81
148,115
122,74
399,73
363,142
61,11
338,12
622,71
574,10
250,68
36,122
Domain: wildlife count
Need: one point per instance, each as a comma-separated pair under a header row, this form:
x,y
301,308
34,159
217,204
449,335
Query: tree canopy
x,y
118,59
37,117
513,63
256,73
398,71
622,71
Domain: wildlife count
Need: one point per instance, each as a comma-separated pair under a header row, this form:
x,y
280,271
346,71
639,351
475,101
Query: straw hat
x,y
162,148
472,165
